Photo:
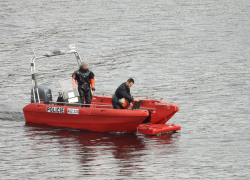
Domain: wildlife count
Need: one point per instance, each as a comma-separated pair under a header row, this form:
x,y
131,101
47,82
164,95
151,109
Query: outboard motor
x,y
44,94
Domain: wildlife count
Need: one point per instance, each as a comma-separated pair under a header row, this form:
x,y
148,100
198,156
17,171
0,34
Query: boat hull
x,y
160,111
95,119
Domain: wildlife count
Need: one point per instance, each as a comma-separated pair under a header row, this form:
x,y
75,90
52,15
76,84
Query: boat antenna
x,y
34,52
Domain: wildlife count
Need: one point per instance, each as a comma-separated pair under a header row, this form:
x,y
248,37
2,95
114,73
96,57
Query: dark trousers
x,y
116,103
85,95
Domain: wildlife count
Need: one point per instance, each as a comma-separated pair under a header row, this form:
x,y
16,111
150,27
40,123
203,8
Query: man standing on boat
x,y
122,97
85,80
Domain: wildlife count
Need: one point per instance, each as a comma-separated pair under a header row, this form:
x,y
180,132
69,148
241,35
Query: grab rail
x,y
33,67
78,104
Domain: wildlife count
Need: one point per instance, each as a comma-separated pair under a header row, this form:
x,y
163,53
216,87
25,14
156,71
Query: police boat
x,y
67,111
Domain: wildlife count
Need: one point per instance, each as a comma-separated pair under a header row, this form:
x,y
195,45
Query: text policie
x,y
55,109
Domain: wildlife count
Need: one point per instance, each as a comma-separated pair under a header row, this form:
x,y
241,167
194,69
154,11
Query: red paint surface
x,y
105,118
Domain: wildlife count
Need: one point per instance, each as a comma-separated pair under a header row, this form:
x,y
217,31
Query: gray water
x,y
194,53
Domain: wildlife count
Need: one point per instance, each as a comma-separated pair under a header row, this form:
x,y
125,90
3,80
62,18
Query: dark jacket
x,y
124,92
83,76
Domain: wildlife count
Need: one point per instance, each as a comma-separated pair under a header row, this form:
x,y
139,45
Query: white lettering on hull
x,y
55,110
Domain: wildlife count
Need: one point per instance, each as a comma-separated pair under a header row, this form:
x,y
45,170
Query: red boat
x,y
67,111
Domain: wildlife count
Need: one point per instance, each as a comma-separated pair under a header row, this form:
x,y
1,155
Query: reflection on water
x,y
97,150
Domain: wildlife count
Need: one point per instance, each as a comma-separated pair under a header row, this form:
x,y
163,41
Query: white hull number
x,y
73,111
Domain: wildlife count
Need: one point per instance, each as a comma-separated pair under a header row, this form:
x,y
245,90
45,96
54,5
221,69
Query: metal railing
x,y
33,67
78,104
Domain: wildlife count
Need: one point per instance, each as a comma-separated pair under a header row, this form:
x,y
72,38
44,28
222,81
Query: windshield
x,y
68,88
